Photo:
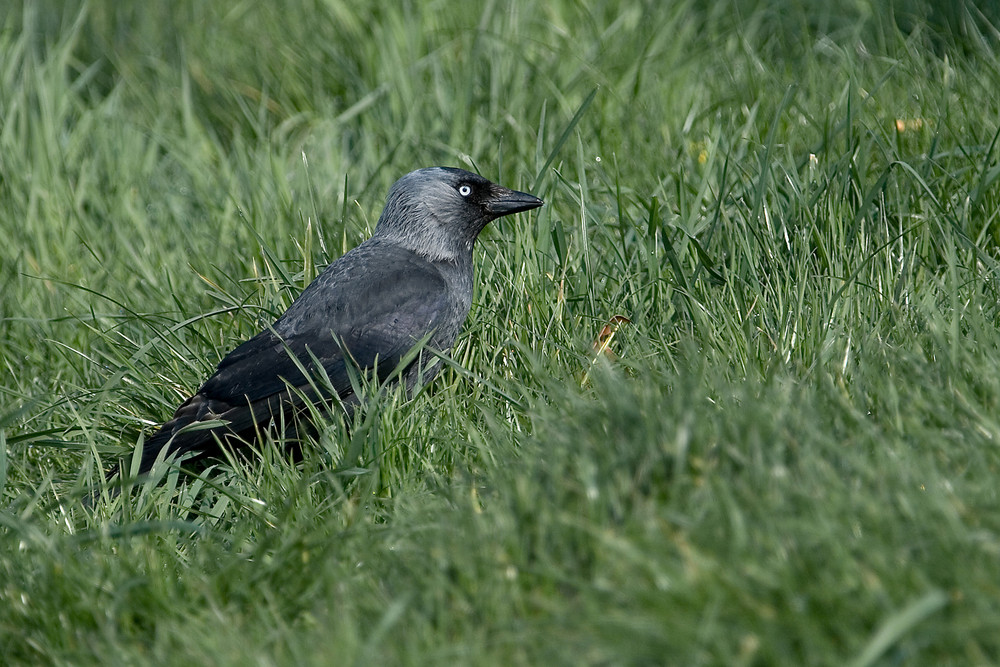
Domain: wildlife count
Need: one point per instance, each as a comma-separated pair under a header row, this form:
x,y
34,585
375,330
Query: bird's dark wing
x,y
374,307
378,313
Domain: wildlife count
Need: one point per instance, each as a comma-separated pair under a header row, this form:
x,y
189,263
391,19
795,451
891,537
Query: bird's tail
x,y
192,429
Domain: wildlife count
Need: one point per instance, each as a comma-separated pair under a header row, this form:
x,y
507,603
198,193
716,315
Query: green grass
x,y
789,456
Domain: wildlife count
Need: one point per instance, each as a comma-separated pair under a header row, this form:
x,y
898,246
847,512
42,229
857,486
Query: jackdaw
x,y
409,284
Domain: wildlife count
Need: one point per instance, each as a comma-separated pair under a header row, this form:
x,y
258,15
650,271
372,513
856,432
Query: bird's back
x,y
367,310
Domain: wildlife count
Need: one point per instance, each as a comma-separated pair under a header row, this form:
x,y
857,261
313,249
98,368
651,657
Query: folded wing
x,y
346,316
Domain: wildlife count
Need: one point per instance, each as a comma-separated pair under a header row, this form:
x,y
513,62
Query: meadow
x,y
731,397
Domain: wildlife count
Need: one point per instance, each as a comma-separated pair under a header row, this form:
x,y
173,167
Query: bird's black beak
x,y
504,202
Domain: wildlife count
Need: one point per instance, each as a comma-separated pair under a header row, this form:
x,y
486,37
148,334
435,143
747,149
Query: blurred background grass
x,y
787,454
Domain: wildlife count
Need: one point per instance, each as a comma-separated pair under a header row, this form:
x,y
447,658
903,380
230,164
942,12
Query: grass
x,y
786,455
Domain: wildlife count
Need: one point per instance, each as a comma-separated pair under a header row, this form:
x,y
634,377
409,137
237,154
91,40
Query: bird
x,y
409,284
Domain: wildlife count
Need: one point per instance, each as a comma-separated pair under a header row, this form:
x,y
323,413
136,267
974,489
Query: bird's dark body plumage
x,y
411,282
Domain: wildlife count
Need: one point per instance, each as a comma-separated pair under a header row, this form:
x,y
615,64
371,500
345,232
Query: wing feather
x,y
362,310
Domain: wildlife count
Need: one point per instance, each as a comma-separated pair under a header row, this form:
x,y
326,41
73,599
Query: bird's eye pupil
x,y
464,190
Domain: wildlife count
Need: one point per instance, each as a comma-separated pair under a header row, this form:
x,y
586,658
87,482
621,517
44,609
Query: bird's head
x,y
439,211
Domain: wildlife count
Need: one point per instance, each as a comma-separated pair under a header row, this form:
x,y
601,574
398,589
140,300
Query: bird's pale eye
x,y
465,190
